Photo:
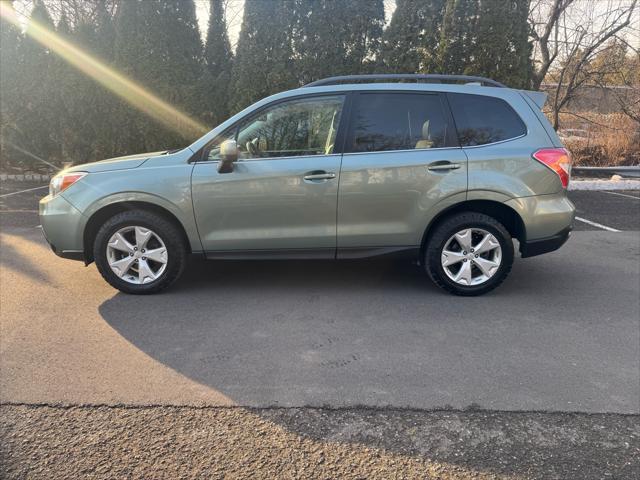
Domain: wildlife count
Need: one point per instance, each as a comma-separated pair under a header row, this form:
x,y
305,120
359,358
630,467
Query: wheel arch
x,y
97,219
506,215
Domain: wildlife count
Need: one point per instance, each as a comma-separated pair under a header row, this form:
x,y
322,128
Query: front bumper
x,y
62,226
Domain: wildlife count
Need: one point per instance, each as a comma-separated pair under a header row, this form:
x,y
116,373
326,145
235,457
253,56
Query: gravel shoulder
x,y
39,441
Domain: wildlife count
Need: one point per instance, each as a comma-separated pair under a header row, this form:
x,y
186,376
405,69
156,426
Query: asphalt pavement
x,y
561,335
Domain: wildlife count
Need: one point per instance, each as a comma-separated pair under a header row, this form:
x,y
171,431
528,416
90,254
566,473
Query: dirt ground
x,y
186,442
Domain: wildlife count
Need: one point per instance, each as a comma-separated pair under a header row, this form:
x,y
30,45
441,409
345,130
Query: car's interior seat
x,y
425,141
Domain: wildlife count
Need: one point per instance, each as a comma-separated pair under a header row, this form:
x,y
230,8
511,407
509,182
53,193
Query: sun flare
x,y
110,78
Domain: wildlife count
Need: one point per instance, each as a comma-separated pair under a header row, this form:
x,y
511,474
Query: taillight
x,y
558,160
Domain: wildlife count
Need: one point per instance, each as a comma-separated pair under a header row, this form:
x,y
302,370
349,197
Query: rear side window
x,y
397,121
481,120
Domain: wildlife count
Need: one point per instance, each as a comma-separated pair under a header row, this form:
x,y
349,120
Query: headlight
x,y
62,181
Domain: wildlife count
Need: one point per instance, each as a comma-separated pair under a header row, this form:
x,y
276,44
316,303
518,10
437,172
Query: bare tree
x,y
616,70
76,11
544,19
568,36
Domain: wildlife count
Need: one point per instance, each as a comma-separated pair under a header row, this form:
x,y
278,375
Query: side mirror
x,y
228,155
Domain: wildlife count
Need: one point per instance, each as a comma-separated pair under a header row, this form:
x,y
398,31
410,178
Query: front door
x,y
401,159
281,196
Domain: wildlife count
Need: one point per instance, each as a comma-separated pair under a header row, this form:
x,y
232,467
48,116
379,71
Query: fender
x,y
185,218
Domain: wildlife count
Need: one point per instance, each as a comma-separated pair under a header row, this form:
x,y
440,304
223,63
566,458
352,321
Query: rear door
x,y
401,158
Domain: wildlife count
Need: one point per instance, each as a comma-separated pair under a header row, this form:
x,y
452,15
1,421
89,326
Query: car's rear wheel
x,y
469,254
139,252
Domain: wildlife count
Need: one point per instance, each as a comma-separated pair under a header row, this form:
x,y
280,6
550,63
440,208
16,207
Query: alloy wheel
x,y
137,254
471,256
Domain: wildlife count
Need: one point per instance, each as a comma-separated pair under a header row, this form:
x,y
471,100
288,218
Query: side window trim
x,y
451,137
452,130
202,155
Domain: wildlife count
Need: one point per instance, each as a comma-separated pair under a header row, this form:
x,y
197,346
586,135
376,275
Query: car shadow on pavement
x,y
15,255
377,332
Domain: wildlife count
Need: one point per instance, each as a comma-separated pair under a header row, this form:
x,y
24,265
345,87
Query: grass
x,y
601,139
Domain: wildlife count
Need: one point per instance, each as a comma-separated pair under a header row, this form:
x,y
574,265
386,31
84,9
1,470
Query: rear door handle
x,y
313,176
443,166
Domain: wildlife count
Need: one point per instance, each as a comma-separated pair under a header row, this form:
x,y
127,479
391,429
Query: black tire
x,y
449,227
163,228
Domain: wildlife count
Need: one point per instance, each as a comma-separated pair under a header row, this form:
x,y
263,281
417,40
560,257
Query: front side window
x,y
292,129
397,121
481,119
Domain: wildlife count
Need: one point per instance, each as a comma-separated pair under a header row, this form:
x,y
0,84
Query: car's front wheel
x,y
139,252
469,254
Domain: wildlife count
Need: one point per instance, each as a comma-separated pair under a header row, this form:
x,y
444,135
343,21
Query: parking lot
x,y
561,335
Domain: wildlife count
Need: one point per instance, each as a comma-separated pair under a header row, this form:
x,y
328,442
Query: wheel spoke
x,y
464,274
487,244
145,274
487,267
464,239
142,237
451,258
157,255
122,266
118,242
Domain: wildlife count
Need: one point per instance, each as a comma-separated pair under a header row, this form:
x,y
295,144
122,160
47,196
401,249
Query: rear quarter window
x,y
481,120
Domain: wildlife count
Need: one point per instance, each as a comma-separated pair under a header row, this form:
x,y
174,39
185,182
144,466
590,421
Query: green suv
x,y
424,166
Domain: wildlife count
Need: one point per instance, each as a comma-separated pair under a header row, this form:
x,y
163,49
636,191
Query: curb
x,y
606,172
29,177
604,184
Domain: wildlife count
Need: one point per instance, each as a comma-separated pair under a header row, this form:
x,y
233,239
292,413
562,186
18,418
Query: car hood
x,y
119,163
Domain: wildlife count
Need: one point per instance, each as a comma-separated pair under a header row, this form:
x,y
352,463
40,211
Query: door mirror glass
x,y
228,155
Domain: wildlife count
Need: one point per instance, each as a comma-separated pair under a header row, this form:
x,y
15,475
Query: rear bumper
x,y
547,219
544,245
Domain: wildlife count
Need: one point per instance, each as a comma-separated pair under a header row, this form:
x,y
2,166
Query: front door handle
x,y
438,166
319,175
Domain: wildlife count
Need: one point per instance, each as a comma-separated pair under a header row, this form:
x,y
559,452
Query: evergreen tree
x,y
38,126
217,52
177,56
132,44
456,36
53,111
158,45
105,123
411,41
105,36
218,62
501,47
66,78
264,63
10,87
488,38
319,39
336,38
88,110
364,33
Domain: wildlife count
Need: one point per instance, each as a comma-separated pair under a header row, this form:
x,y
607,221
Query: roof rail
x,y
392,77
